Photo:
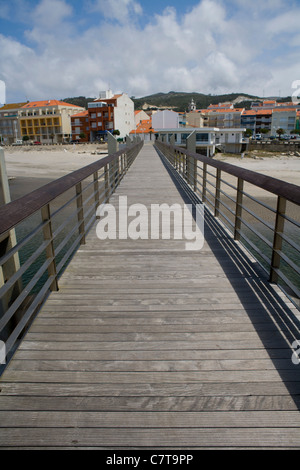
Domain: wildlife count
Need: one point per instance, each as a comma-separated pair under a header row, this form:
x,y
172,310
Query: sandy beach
x,y
29,168
277,165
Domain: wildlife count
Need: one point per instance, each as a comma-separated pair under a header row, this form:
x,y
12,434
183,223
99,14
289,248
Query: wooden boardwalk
x,y
150,346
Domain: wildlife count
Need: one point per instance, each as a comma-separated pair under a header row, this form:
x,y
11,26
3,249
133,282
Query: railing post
x,y
117,172
96,190
106,177
80,214
277,242
176,160
204,182
122,166
195,174
238,209
48,237
218,193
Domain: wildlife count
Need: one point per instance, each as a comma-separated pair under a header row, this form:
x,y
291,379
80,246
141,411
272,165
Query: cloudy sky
x,y
62,48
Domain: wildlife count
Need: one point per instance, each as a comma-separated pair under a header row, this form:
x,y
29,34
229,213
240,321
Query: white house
x,y
165,120
124,115
207,139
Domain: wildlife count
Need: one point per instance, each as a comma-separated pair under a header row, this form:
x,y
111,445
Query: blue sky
x,y
62,48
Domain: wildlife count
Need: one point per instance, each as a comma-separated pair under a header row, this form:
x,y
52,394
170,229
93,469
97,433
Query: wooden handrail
x,y
289,191
16,211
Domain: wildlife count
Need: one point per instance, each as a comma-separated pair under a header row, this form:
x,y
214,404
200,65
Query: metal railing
x,y
261,212
50,224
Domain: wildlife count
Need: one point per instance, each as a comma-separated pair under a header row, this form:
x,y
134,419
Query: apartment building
x,y
110,112
225,117
248,120
196,119
47,121
9,123
283,118
80,126
263,120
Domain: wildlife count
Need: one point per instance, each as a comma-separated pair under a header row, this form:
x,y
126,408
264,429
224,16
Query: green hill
x,y
180,100
79,101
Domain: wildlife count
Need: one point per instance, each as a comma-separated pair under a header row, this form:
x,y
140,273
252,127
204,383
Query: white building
x,y
139,116
207,139
165,120
124,115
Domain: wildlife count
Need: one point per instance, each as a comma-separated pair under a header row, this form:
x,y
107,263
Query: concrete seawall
x,y
289,146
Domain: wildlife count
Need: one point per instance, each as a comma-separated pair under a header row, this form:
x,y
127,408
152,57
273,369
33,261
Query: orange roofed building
x,y
80,126
47,121
108,113
144,129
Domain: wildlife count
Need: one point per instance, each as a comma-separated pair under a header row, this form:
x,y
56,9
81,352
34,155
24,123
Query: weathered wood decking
x,y
147,345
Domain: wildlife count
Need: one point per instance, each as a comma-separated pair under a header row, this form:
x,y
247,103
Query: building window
x,y
202,137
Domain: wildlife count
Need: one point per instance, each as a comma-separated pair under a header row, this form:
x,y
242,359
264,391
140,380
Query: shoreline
x,y
49,162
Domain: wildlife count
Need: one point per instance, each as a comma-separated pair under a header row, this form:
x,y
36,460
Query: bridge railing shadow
x,y
274,317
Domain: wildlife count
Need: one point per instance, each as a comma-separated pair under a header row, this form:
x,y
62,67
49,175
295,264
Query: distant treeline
x,y
180,101
79,101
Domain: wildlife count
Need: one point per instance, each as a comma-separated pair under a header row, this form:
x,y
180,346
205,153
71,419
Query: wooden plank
x,y
262,355
154,337
134,419
155,366
151,438
154,345
58,376
153,404
167,328
196,390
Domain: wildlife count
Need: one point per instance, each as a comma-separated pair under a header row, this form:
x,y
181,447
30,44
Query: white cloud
x,y
210,49
120,10
50,13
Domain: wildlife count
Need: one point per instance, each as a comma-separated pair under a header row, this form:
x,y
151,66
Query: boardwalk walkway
x,y
147,345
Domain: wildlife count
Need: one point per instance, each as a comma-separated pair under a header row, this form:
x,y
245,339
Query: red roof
x,y
227,110
281,110
41,104
143,127
82,114
264,111
249,112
